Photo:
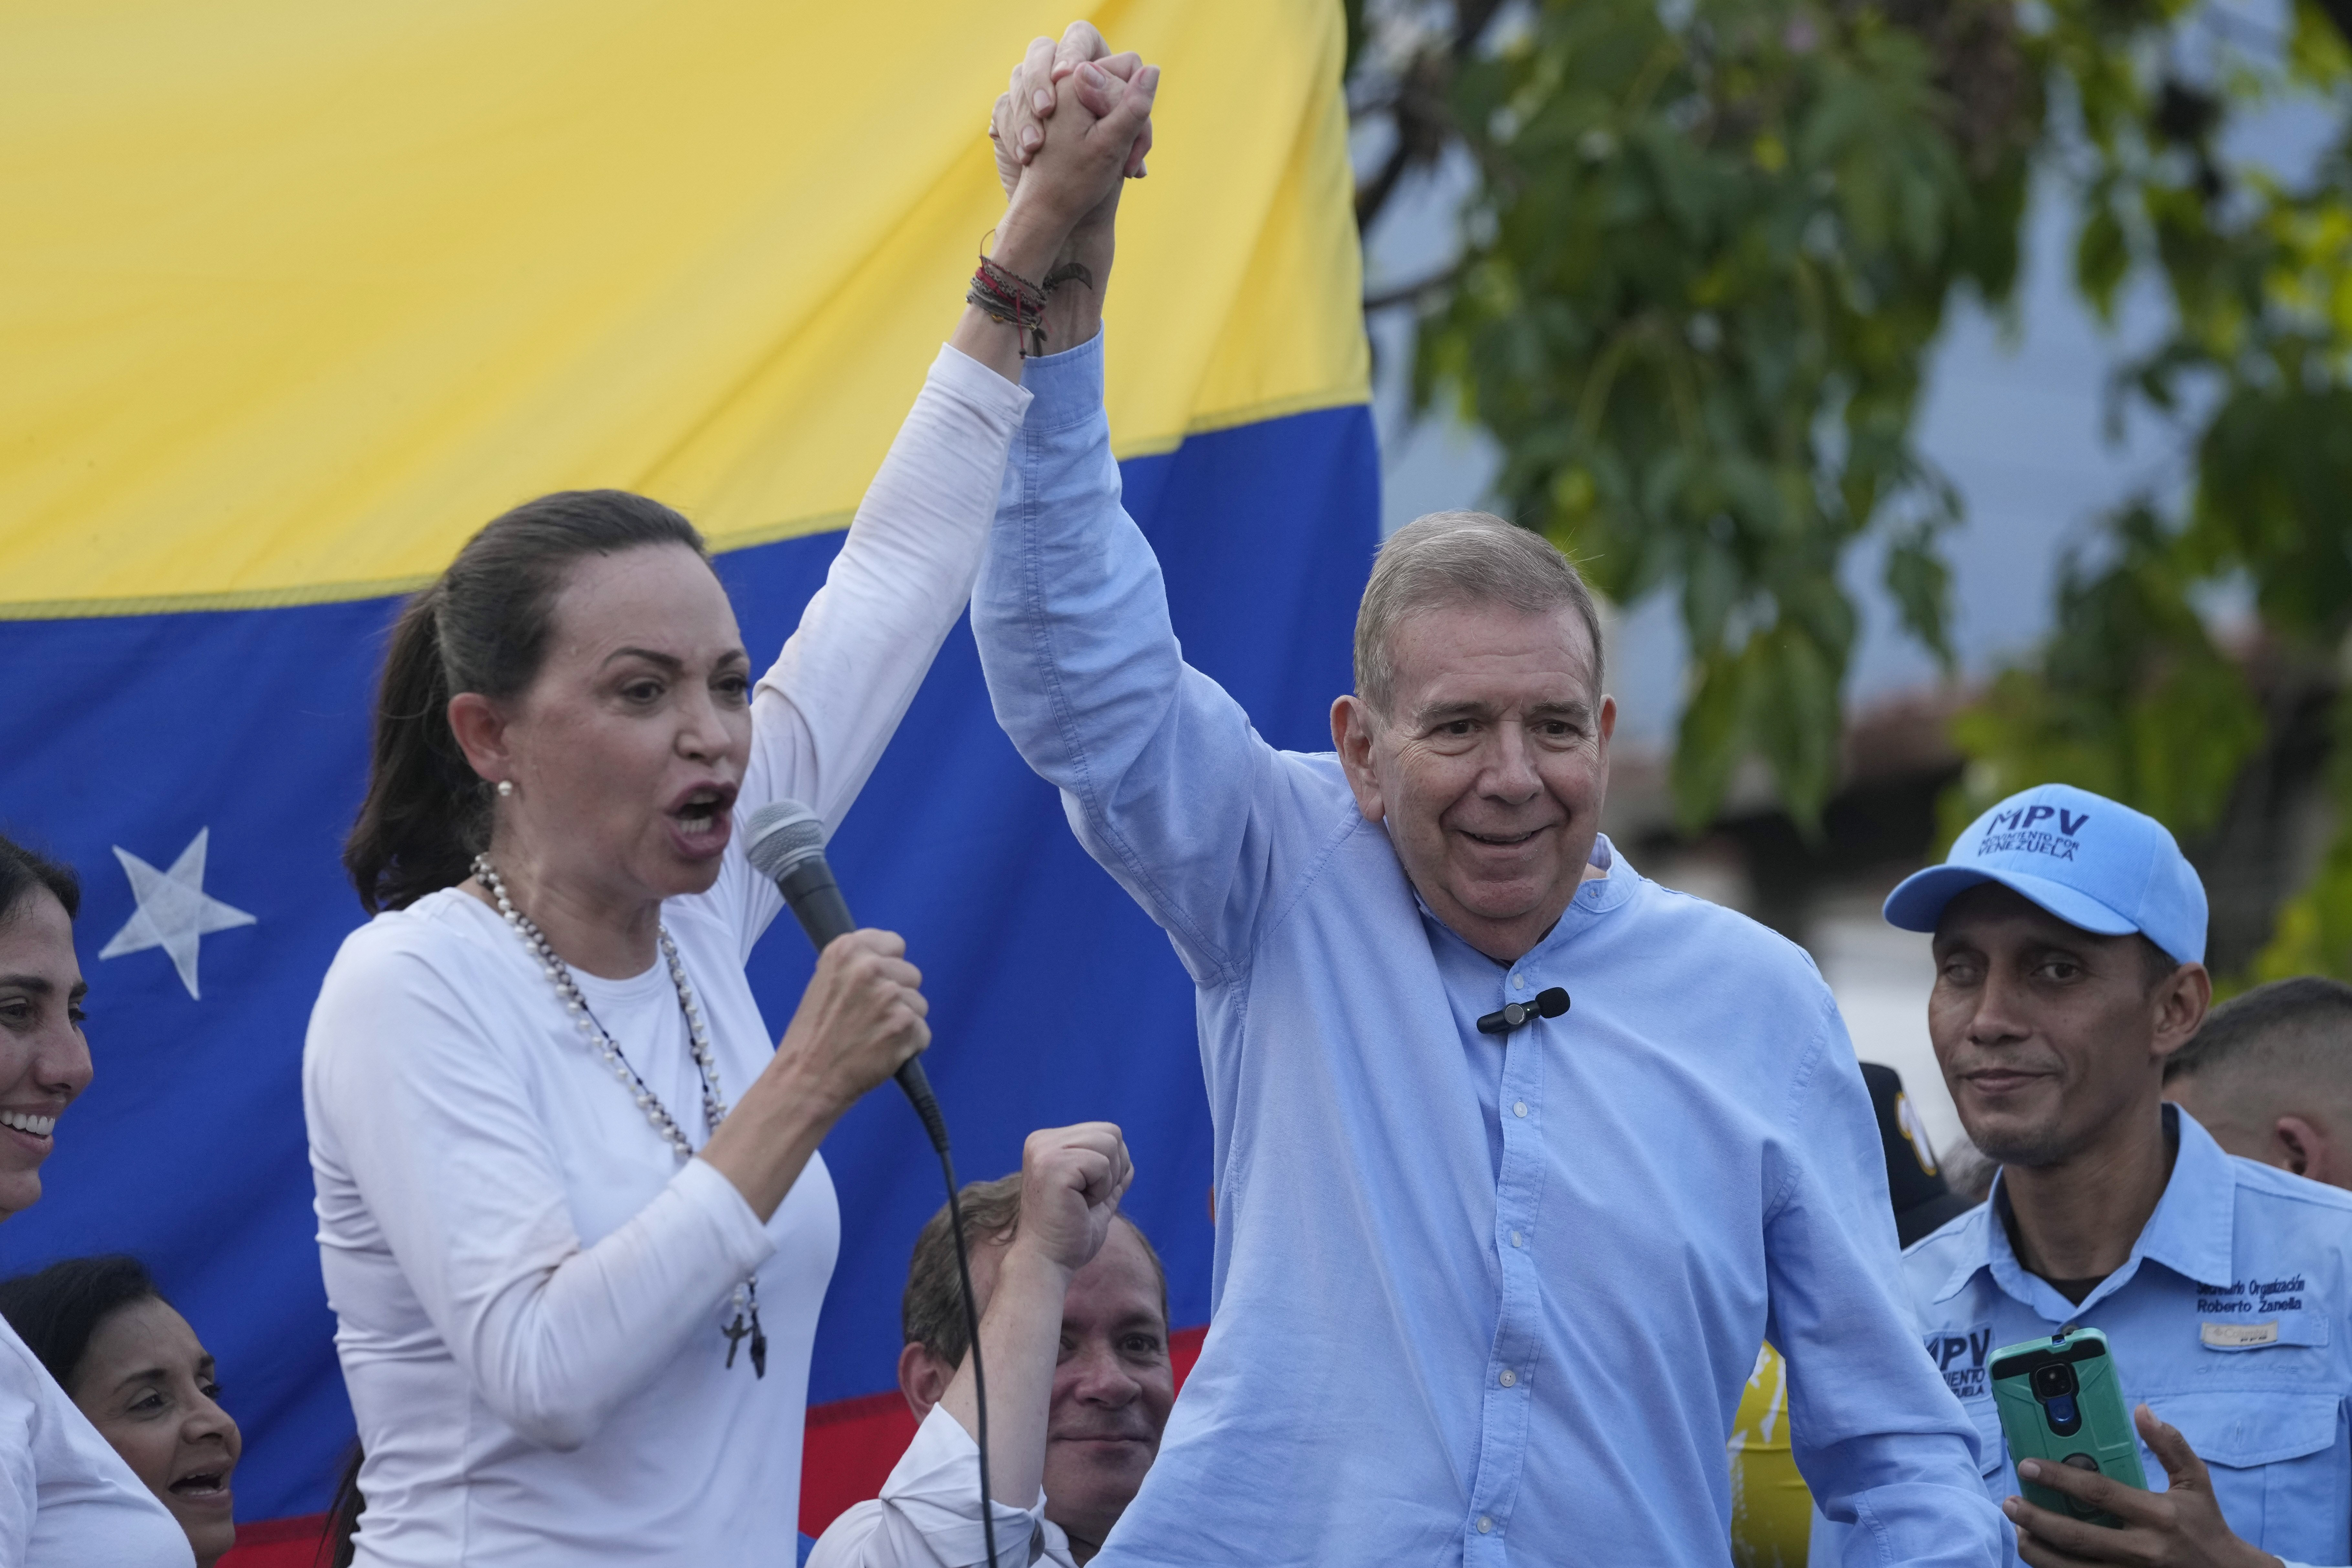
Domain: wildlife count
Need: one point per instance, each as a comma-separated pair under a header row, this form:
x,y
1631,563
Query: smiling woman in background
x,y
66,1500
133,1366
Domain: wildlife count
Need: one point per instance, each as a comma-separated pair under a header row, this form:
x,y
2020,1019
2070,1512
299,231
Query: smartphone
x,y
2060,1403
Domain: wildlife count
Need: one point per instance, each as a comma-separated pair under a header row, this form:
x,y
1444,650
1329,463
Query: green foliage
x,y
2314,935
1710,249
1711,244
2131,696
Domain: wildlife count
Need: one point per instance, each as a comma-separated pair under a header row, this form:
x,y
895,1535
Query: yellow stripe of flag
x,y
295,296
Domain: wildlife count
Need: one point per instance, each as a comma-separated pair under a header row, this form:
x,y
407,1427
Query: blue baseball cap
x,y
2086,859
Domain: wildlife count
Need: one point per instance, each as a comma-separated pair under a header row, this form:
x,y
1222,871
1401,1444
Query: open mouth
x,y
32,1127
701,814
202,1484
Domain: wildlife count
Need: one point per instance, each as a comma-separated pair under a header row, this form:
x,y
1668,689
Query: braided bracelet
x,y
1009,298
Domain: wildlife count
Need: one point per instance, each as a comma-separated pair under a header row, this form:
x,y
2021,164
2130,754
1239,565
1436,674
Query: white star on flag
x,y
174,911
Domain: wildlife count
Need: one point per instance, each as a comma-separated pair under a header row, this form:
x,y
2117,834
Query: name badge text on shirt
x,y
2231,1336
2250,1297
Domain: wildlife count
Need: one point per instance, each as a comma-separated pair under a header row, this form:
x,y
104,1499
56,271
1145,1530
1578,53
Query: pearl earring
x,y
506,788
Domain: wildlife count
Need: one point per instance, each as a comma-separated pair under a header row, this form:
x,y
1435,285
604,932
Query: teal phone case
x,y
2085,1425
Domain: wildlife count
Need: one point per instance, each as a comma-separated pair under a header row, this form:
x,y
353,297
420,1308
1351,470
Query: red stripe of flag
x,y
844,1458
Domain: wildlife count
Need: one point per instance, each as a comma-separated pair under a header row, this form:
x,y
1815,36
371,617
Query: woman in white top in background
x,y
571,1216
66,1499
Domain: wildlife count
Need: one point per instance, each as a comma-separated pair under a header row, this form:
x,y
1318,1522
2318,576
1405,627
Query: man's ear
x,y
922,1379
1354,727
2306,1148
2181,1001
481,732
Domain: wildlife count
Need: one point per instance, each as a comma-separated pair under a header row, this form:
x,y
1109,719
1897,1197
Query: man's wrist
x,y
1075,313
1030,1266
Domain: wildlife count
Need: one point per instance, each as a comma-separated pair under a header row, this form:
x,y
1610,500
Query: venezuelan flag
x,y
295,296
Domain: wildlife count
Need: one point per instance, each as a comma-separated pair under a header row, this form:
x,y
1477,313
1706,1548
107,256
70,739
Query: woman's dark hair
x,y
23,870
483,628
339,1544
56,1311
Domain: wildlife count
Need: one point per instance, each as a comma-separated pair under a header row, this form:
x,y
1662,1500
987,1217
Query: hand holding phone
x,y
2060,1401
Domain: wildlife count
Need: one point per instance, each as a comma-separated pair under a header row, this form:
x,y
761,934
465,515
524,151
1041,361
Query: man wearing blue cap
x,y
2069,944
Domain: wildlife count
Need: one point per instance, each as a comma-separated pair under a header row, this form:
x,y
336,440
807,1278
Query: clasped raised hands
x,y
1099,105
1098,81
1062,185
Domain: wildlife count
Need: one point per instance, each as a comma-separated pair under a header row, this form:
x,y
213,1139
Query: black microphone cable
x,y
971,1328
785,841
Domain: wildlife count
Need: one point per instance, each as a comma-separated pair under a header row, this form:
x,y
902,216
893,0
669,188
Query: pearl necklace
x,y
746,1299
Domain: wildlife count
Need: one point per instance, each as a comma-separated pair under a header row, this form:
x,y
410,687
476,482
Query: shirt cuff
x,y
966,379
743,1240
1068,386
935,1486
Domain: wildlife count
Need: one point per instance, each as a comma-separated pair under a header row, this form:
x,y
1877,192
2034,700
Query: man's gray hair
x,y
1448,558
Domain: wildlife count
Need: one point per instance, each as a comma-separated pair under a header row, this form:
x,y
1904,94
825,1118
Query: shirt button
x,y
1508,1377
1520,981
1485,1524
1515,1239
1518,1107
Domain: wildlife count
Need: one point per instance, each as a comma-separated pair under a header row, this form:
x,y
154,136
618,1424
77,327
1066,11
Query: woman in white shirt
x,y
66,1499
572,1220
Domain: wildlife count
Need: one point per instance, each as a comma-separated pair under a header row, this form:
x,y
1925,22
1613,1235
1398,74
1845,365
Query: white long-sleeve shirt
x,y
928,1514
529,1289
66,1500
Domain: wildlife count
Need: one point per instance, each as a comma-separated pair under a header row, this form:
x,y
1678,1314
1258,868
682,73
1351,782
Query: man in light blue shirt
x,y
1487,1283
2069,940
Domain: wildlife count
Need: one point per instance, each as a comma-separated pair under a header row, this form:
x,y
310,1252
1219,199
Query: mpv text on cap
x,y
2087,860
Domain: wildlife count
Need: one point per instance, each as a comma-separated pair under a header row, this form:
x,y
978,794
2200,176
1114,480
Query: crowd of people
x,y
1468,1305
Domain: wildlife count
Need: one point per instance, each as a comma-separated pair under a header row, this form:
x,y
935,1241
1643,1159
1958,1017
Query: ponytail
x,y
484,627
425,812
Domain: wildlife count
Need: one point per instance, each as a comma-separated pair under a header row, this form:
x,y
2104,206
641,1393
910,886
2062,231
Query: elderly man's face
x,y
1490,769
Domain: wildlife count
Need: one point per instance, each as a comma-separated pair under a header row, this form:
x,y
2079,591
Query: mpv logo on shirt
x,y
1962,1359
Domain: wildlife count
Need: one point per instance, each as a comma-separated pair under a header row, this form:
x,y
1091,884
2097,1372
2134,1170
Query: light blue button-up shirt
x,y
2231,1320
1474,1300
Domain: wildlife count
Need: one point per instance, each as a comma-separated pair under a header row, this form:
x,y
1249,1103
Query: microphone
x,y
1549,1004
784,841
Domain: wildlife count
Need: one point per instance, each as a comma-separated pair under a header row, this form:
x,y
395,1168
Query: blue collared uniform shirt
x,y
1475,1300
2231,1320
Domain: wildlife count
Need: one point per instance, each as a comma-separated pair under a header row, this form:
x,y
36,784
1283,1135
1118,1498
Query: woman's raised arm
x,y
825,710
